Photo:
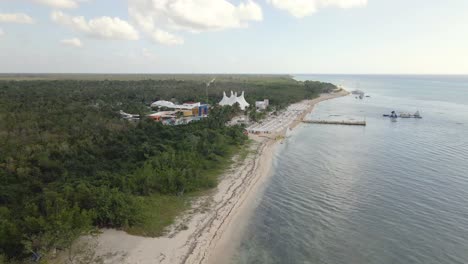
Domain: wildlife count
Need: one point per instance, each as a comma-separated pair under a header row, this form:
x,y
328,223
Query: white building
x,y
262,105
171,105
231,100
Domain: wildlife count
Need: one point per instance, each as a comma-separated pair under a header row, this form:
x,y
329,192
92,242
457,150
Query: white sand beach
x,y
215,221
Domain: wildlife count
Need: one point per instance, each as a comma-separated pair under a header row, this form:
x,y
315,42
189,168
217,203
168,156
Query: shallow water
x,y
390,192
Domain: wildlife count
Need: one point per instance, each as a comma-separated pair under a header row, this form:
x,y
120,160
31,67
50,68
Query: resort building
x,y
128,116
161,116
231,100
201,110
262,105
171,105
179,114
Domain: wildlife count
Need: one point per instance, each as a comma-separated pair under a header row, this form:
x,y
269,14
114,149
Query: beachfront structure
x,y
173,118
279,123
128,116
187,109
160,116
180,113
238,120
231,100
201,110
171,105
262,105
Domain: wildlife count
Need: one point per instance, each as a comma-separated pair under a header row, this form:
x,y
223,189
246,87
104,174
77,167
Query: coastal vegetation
x,y
69,164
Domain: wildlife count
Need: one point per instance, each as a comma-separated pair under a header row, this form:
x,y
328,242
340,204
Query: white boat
x,y
406,115
393,115
417,115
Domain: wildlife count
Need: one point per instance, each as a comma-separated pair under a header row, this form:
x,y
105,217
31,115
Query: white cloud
x,y
165,37
101,27
61,4
19,18
148,54
74,42
302,8
191,16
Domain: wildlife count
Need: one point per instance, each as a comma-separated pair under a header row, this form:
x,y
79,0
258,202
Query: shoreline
x,y
313,102
212,227
231,236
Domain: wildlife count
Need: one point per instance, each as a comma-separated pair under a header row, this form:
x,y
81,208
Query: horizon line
x,y
226,73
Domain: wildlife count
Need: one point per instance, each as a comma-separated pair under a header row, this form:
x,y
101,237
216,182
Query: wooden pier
x,y
336,122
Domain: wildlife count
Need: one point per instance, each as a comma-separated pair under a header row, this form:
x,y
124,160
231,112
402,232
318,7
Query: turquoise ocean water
x,y
390,192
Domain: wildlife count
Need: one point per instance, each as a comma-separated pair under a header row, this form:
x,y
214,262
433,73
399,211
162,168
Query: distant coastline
x,y
124,76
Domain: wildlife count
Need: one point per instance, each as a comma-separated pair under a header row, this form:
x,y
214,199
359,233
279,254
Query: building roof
x,y
231,100
171,105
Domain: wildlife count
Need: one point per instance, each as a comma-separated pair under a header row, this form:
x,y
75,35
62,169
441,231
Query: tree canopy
x,y
68,162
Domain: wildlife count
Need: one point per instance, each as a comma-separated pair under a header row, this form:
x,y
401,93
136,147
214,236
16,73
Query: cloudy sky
x,y
234,36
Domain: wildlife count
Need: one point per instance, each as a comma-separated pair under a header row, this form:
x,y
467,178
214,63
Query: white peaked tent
x,y
225,100
231,100
242,102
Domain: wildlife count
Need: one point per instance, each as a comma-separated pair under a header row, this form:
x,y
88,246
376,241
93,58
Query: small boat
x,y
406,115
403,115
417,115
391,115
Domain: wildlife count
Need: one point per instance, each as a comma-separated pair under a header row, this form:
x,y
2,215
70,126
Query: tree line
x,y
69,163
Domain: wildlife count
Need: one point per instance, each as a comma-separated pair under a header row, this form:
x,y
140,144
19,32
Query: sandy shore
x,y
214,222
315,101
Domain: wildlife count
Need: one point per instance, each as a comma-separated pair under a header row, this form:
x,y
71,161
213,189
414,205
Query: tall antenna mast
x,y
208,84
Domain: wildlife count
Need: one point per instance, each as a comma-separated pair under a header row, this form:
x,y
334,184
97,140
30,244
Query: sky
x,y
232,36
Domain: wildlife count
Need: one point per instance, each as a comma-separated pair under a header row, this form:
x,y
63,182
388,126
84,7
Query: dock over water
x,y
336,122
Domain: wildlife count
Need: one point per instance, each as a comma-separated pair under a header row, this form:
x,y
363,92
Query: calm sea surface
x,y
391,192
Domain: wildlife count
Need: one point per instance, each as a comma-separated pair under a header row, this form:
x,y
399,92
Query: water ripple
x,y
389,193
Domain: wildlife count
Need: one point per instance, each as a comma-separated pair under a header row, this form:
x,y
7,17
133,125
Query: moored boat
x,y
403,115
417,115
